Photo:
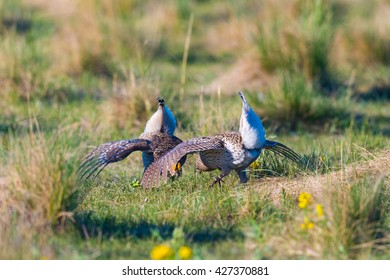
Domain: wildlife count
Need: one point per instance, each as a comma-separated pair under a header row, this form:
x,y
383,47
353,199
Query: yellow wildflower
x,y
304,199
302,204
307,224
185,252
320,210
161,252
305,196
255,165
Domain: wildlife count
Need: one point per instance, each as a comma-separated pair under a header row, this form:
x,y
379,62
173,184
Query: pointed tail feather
x,y
283,150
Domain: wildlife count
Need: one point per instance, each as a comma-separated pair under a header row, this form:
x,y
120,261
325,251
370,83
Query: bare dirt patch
x,y
377,166
245,74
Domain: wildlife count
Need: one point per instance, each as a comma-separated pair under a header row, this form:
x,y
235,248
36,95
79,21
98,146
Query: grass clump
x,y
296,103
302,46
36,179
298,51
132,101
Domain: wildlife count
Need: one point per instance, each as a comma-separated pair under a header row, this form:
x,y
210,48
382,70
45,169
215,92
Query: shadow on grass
x,y
271,165
91,226
11,124
337,124
376,93
6,127
20,25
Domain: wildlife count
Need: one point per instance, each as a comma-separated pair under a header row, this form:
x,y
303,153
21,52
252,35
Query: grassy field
x,y
78,73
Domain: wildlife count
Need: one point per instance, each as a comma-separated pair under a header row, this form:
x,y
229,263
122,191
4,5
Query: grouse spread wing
x,y
159,169
108,153
280,149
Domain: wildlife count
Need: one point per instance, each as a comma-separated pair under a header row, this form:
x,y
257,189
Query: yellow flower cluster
x,y
304,200
165,252
312,214
162,252
185,253
307,224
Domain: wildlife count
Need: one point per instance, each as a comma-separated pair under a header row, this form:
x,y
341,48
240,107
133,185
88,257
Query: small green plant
x,y
135,183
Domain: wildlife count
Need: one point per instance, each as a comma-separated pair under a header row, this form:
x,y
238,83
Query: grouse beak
x,y
244,102
161,101
241,95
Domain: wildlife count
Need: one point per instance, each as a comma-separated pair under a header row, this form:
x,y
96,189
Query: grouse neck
x,y
161,121
251,127
155,123
169,121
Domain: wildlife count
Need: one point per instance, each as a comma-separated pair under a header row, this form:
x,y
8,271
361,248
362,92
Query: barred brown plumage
x,y
154,142
171,158
226,151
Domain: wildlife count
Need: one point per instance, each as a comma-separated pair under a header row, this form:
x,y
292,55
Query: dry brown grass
x,y
231,33
94,30
360,44
250,70
131,102
356,44
247,72
33,183
36,180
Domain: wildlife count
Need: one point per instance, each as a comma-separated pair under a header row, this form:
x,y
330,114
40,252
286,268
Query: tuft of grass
x,y
367,44
302,46
296,102
132,101
368,210
379,46
35,180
